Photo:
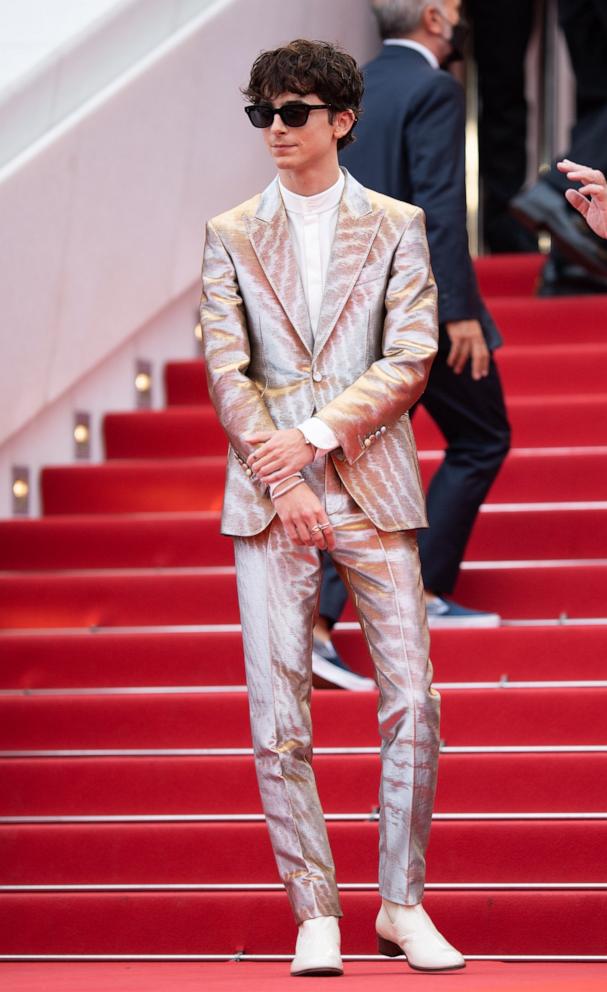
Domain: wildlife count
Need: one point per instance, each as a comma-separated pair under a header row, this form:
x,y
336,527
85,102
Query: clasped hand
x,y
281,453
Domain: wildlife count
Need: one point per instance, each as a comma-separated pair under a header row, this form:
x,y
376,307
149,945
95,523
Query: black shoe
x,y
542,207
330,672
561,278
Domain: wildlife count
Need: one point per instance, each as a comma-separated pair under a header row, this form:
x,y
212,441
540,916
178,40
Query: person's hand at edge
x,y
591,199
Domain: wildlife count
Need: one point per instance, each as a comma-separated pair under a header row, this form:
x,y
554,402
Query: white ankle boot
x,y
409,930
318,948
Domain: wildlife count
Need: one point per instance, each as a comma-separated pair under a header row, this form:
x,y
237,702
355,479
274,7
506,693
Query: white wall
x,y
105,215
32,30
56,54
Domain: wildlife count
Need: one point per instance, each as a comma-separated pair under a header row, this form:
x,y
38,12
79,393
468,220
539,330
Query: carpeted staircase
x,y
130,821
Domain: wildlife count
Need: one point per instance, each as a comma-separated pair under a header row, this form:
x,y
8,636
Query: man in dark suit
x,y
410,145
578,261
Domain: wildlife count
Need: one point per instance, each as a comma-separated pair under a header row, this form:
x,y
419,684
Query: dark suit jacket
x,y
410,144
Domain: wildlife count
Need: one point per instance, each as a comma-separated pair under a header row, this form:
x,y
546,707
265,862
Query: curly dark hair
x,y
309,67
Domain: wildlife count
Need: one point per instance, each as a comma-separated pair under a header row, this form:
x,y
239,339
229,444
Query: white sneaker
x,y
409,930
318,948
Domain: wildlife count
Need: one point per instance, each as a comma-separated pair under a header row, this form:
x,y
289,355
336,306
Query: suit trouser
x,y
278,588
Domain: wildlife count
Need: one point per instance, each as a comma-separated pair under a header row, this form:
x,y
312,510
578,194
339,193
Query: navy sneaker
x,y
329,671
445,613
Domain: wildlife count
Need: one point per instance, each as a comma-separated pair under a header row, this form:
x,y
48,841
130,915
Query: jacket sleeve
x,y
393,383
238,402
434,149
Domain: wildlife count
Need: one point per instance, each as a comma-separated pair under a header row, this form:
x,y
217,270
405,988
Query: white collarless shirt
x,y
312,222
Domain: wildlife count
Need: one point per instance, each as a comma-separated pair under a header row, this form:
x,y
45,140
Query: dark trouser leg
x,y
333,593
501,34
472,417
584,24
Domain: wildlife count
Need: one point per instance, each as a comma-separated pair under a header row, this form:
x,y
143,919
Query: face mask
x,y
457,40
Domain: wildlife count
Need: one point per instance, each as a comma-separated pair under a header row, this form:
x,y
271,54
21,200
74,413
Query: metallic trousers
x,y
278,590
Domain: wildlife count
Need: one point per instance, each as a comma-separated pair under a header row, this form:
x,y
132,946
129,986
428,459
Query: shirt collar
x,y
417,47
318,203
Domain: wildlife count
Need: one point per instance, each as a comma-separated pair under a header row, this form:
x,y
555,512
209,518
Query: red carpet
x,y
479,976
125,583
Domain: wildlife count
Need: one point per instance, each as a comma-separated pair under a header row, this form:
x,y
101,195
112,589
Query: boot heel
x,y
388,948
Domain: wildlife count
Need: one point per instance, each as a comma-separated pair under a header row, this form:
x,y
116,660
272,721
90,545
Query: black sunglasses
x,y
291,114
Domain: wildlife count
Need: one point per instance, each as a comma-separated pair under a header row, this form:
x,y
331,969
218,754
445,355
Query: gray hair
x,y
399,17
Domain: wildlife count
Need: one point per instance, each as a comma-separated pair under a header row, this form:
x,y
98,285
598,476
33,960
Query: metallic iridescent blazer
x,y
366,366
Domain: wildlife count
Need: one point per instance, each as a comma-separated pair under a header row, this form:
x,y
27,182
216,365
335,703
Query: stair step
x,y
185,485
82,659
514,851
524,321
160,540
101,598
194,430
552,370
477,922
509,275
496,716
525,370
565,782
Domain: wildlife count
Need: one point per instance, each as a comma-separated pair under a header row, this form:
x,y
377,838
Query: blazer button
x,y
249,471
367,442
317,376
383,430
377,433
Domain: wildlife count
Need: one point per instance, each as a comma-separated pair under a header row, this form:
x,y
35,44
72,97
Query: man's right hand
x,y
468,342
591,198
301,512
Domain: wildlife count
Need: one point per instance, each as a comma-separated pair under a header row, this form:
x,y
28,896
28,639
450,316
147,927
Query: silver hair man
x,y
396,18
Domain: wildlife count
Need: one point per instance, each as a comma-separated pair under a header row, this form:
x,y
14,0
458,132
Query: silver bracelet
x,y
293,475
288,489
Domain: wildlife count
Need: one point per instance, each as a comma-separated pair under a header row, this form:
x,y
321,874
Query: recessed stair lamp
x,y
21,490
143,384
82,434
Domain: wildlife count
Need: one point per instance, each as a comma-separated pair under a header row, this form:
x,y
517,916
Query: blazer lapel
x,y
269,234
357,226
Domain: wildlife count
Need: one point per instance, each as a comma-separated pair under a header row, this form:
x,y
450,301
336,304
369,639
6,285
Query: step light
x,y
21,490
82,434
143,384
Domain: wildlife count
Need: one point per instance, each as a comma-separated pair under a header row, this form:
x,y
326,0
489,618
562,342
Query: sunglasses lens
x,y
260,116
295,115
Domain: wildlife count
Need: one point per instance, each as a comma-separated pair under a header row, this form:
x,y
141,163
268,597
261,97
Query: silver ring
x,y
323,526
317,527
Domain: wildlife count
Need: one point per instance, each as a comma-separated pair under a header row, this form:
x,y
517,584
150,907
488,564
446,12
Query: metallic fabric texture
x,y
363,370
278,588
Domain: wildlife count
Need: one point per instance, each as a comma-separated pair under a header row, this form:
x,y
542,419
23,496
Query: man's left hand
x,y
280,453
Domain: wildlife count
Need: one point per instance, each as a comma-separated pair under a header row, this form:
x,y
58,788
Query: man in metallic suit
x,y
319,325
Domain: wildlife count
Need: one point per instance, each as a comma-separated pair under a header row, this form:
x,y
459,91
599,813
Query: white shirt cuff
x,y
319,434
